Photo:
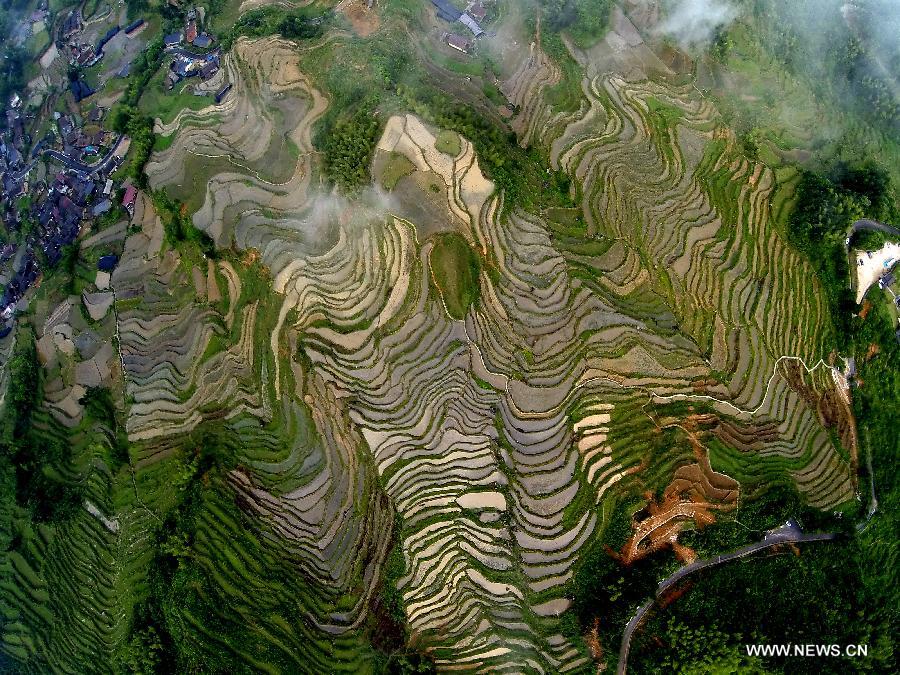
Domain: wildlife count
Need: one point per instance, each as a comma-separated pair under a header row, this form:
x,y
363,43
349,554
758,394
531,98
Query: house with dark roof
x,y
85,56
209,69
203,41
82,189
458,42
477,11
101,207
80,89
446,10
184,67
222,93
135,27
71,24
172,39
107,263
110,34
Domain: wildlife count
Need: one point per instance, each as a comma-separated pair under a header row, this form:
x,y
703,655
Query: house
x,y
184,67
107,188
85,56
129,199
477,11
209,69
83,188
191,33
471,24
80,89
96,114
172,39
110,34
446,10
458,42
222,93
71,25
107,263
135,28
101,207
203,41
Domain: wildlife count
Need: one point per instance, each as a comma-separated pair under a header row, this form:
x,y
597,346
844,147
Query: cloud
x,y
326,212
692,23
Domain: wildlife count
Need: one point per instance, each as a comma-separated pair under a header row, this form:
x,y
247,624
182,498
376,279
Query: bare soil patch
x,y
365,21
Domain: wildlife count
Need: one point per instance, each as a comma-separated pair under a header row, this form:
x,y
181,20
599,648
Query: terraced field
x,y
494,435
321,355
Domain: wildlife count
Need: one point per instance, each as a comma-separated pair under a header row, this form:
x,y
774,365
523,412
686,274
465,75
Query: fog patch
x,y
692,23
329,212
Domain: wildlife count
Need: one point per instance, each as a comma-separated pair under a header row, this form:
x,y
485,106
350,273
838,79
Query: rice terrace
x,y
413,336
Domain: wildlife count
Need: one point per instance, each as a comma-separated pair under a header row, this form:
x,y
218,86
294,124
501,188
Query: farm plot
x,y
487,374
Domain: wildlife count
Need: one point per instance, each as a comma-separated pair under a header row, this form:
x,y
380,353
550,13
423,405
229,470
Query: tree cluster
x,y
584,20
28,460
348,148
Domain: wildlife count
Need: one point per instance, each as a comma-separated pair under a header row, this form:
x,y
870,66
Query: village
x,y
63,169
471,19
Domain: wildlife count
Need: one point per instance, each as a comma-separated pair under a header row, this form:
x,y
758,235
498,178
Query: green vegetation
x,y
456,270
139,127
179,227
157,101
193,552
29,460
813,597
145,64
521,173
608,592
566,94
826,207
347,150
448,142
302,23
396,167
869,240
15,59
99,407
584,20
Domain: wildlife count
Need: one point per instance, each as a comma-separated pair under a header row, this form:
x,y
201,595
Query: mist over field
x,y
692,23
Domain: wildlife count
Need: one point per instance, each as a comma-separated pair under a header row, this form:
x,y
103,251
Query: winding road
x,y
789,533
76,165
867,224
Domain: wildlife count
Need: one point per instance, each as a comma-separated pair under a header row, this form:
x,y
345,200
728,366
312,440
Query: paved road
x,y
77,165
867,224
788,533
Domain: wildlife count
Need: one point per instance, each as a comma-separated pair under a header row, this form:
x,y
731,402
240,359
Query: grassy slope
x,y
455,270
